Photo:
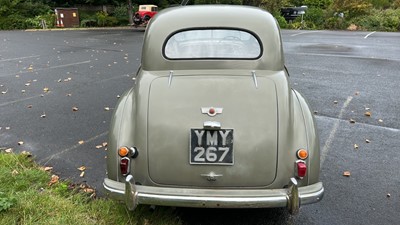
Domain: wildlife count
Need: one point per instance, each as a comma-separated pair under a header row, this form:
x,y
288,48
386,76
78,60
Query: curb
x,y
84,28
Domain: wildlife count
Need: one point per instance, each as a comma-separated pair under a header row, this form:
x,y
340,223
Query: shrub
x,y
281,21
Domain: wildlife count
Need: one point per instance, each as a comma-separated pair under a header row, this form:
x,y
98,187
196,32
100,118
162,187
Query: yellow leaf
x,y
82,174
367,113
355,146
105,144
81,142
82,168
346,173
46,89
54,179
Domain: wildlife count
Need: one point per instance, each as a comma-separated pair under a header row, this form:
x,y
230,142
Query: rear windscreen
x,y
212,44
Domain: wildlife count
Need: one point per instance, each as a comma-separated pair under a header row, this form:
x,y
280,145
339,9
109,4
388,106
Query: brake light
x,y
301,169
124,166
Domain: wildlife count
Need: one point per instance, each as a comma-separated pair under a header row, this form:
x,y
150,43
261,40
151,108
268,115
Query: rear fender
x,y
312,137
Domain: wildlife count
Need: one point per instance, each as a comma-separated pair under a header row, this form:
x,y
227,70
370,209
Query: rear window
x,y
213,44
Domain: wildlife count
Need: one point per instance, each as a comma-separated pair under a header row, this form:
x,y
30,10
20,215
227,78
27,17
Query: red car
x,y
144,14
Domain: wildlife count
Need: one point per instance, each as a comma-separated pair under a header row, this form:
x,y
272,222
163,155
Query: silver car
x,y
212,120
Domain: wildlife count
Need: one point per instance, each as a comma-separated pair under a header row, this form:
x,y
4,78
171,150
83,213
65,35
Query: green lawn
x,y
28,195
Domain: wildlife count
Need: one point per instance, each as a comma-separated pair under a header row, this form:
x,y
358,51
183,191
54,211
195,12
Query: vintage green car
x,y
212,120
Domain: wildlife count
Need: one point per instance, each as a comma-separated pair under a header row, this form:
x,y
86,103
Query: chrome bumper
x,y
291,197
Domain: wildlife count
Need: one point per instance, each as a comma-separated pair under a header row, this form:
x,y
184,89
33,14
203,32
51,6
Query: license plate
x,y
211,146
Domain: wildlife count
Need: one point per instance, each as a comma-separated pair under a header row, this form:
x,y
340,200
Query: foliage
x,y
273,6
231,2
352,8
26,197
379,20
281,21
6,202
315,16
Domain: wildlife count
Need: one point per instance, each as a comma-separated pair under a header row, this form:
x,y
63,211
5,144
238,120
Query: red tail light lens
x,y
301,169
124,166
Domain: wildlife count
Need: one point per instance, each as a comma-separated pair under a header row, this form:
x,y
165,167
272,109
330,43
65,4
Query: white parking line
x,y
366,36
329,141
305,32
12,59
50,157
46,68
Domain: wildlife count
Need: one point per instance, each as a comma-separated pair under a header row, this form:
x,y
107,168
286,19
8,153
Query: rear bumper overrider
x,y
291,197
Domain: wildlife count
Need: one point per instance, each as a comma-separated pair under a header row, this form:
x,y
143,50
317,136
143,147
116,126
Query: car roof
x,y
255,20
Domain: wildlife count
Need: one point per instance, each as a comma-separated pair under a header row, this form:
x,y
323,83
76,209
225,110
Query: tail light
x,y
301,169
124,166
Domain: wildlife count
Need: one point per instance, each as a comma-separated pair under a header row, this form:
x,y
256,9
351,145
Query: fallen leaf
x,y
357,93
74,109
68,95
7,128
59,80
81,142
4,92
352,121
315,112
82,168
106,108
335,102
82,174
380,121
43,115
105,144
118,96
8,150
54,179
355,146
88,190
46,89
20,143
47,168
367,114
27,84
99,146
23,91
346,173
388,195
25,153
30,67
14,173
367,109
29,106
367,141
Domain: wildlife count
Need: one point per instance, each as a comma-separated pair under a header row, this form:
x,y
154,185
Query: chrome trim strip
x,y
253,73
171,74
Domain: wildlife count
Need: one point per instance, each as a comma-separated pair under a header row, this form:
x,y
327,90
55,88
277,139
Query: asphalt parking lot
x,y
58,90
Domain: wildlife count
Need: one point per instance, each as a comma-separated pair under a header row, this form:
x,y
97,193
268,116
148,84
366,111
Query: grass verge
x,y
31,195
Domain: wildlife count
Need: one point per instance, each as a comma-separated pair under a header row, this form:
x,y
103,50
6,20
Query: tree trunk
x,y
130,12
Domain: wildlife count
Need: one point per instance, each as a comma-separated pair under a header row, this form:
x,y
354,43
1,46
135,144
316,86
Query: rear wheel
x,y
146,18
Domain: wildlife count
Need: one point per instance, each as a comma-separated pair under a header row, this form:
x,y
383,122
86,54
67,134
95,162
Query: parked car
x,y
144,14
212,120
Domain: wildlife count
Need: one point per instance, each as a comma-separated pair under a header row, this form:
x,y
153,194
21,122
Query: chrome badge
x,y
211,111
